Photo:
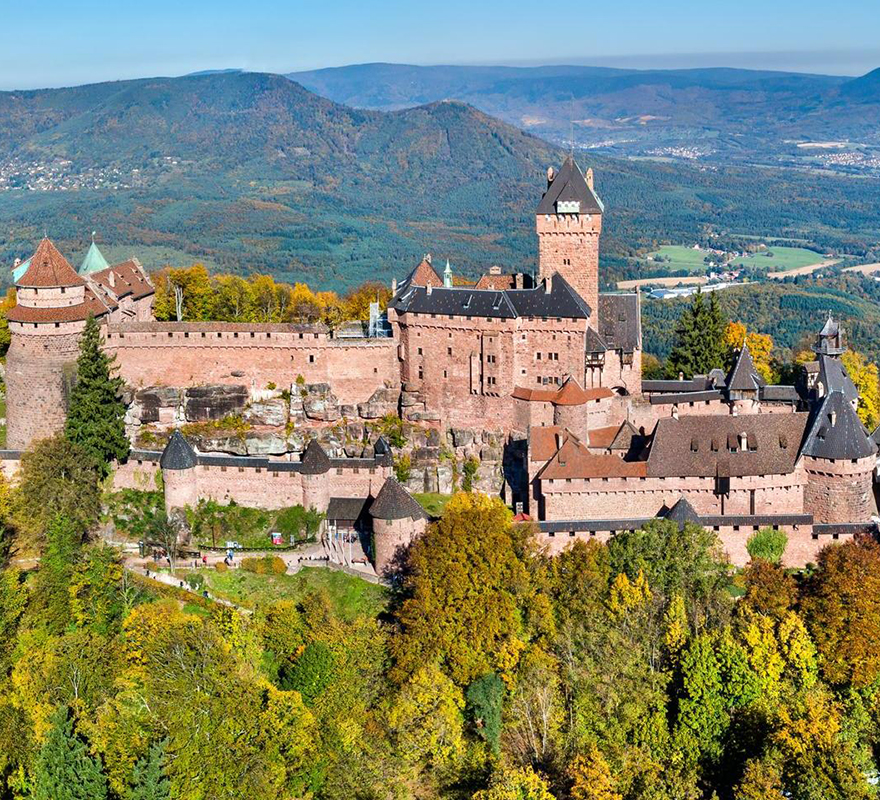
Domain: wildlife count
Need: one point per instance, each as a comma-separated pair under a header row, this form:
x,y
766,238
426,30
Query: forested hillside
x,y
252,173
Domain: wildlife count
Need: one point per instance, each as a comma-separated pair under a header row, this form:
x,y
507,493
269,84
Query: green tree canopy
x,y
64,769
699,338
95,418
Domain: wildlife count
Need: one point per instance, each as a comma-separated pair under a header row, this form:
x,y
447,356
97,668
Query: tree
x,y
62,552
96,416
699,339
460,606
769,588
311,671
842,611
591,777
64,769
485,700
148,779
864,375
768,544
57,478
702,715
760,347
516,784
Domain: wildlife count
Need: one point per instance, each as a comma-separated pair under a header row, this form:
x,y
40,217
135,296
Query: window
x,y
419,351
235,335
449,351
203,334
421,373
538,356
253,334
311,358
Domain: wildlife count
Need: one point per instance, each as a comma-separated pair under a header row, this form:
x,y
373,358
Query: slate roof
x,y
178,453
347,508
682,512
569,184
94,260
594,343
315,460
834,377
709,445
699,383
774,393
744,376
48,268
619,322
837,432
395,502
561,301
684,397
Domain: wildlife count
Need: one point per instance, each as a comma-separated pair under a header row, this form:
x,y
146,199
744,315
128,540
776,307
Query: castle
x,y
538,377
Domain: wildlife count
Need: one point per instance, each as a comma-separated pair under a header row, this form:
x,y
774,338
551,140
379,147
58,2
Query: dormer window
x,y
568,206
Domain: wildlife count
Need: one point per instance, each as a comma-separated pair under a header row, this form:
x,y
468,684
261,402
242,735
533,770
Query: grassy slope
x,y
350,596
686,258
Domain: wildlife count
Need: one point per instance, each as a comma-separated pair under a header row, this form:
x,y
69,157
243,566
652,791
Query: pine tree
x,y
96,413
149,781
699,338
64,768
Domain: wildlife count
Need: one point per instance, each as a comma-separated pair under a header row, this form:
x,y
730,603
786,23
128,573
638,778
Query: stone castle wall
x,y
839,491
39,369
190,354
391,539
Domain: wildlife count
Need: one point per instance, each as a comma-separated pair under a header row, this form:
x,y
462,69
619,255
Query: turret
x,y
45,326
315,466
569,223
178,463
398,520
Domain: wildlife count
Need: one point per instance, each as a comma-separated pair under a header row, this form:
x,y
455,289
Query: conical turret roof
x,y
744,377
395,502
178,453
315,460
569,185
48,268
94,261
682,512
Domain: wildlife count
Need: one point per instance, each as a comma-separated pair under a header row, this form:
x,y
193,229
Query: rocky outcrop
x,y
382,402
214,402
271,413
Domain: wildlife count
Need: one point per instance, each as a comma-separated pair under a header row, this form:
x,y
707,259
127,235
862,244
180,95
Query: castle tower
x,y
569,222
315,466
178,463
398,520
45,327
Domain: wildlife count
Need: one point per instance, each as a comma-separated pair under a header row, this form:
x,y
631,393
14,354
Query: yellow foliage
x,y
760,346
675,620
516,784
865,376
591,777
627,595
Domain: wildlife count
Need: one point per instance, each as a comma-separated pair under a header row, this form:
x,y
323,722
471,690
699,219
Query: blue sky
x,y
61,42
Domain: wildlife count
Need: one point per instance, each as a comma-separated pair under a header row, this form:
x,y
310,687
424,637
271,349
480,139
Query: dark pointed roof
x,y
837,432
594,342
382,451
48,268
315,460
682,512
178,453
569,184
744,376
834,378
395,502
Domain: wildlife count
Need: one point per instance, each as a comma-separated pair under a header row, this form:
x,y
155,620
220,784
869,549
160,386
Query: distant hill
x,y
252,172
717,115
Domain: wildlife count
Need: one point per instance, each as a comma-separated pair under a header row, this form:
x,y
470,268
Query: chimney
x,y
393,286
428,257
680,375
16,263
558,440
494,270
589,178
519,280
551,174
112,278
548,284
675,412
429,288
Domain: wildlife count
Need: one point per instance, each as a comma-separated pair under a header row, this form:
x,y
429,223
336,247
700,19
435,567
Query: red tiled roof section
x,y
601,438
573,460
496,282
49,268
571,394
543,442
425,275
128,279
77,313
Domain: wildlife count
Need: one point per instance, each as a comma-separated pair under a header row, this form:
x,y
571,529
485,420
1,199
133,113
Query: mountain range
x,y
253,172
715,115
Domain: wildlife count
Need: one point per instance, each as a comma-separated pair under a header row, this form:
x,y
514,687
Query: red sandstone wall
x,y
143,475
840,491
190,354
391,538
569,244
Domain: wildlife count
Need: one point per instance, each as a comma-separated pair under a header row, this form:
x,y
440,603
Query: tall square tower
x,y
569,222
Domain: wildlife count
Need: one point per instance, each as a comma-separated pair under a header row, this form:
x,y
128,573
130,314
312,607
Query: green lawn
x,y
351,597
782,259
433,502
690,260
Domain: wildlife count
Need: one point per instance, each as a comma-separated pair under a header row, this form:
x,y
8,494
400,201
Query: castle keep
x,y
535,378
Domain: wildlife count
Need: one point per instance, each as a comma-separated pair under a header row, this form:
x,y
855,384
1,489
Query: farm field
x,y
864,269
776,259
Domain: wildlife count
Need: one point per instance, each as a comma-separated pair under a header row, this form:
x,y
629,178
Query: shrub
x,y
403,468
266,565
310,673
302,524
195,581
470,472
767,543
152,566
485,699
221,566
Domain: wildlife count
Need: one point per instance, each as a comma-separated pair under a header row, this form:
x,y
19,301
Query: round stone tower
x,y
315,466
398,520
178,463
45,328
